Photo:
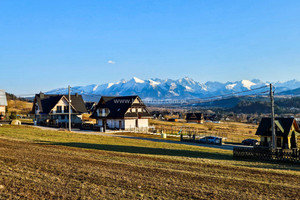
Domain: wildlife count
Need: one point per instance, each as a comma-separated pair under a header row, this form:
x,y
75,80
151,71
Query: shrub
x,y
13,115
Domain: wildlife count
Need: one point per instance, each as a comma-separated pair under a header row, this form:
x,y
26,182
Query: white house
x,y
123,112
3,103
53,110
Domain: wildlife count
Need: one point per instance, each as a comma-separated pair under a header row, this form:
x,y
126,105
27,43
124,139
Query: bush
x,y
209,126
13,115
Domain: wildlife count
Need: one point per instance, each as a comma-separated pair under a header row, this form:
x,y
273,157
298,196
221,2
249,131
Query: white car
x,y
211,140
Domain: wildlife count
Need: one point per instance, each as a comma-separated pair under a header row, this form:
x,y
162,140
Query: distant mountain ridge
x,y
184,88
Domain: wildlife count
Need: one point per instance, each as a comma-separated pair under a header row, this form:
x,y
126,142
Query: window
x,y
58,109
62,117
66,109
103,112
278,142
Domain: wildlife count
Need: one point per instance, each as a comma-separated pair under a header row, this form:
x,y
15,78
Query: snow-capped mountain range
x,y
184,88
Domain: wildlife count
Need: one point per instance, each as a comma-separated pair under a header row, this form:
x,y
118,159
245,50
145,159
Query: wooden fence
x,y
5,121
265,154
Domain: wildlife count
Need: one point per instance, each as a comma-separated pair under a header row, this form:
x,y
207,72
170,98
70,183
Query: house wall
x,y
195,121
142,123
76,119
63,102
285,143
129,123
37,109
2,110
115,123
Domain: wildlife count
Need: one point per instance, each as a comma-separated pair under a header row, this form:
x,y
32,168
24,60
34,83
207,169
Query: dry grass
x,y
20,107
233,131
37,164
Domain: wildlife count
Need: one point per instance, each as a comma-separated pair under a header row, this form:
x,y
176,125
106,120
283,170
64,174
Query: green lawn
x,y
39,164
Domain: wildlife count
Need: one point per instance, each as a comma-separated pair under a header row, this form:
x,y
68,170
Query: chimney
x,y
76,94
42,95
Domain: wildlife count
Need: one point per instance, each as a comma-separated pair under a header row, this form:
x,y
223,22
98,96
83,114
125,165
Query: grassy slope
x,y
49,164
233,131
18,106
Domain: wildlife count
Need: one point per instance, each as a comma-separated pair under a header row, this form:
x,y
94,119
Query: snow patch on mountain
x,y
230,86
95,88
153,83
189,89
174,93
173,86
109,85
248,84
137,80
184,88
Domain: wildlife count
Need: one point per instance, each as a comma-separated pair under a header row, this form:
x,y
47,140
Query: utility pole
x,y
69,89
272,118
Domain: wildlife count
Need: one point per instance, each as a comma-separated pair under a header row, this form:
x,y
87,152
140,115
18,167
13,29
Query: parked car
x,y
211,140
250,142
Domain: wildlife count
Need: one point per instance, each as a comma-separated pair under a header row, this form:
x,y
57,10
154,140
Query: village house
x,y
286,129
53,110
195,118
3,104
122,112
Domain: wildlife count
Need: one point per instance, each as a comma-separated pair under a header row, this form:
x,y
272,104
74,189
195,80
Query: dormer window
x,y
103,112
59,109
66,109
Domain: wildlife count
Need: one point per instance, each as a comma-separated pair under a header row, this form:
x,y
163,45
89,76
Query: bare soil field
x,y
40,164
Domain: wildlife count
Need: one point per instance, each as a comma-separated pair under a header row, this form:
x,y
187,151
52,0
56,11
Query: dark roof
x,y
118,106
264,127
47,102
194,116
90,106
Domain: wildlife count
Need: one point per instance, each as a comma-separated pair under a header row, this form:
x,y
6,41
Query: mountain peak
x,y
184,88
137,80
248,84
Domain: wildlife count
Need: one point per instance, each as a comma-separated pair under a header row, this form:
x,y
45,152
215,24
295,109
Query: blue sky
x,y
50,44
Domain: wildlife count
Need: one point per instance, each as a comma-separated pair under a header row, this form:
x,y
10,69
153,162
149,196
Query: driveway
x,y
114,134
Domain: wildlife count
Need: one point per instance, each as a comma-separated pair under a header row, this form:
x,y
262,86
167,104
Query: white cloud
x,y
111,62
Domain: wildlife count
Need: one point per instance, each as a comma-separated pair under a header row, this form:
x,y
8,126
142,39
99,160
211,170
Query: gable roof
x,y
47,102
282,126
194,116
90,106
118,106
3,100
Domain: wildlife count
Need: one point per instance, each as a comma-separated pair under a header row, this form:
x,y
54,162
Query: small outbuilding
x,y
286,129
195,118
3,103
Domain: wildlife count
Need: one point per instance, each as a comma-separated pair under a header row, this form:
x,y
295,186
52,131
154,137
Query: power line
x,y
86,93
231,94
228,97
202,100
